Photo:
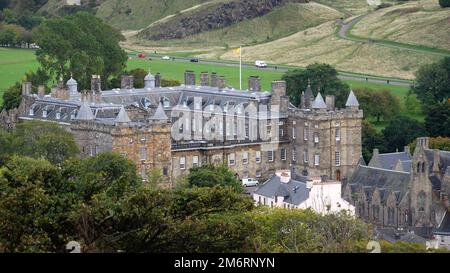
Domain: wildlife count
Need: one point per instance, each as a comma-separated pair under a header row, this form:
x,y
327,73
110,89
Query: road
x,y
284,68
345,28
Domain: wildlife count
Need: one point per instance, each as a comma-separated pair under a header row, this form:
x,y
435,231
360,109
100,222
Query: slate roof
x,y
71,81
295,192
319,103
352,101
444,228
149,77
122,117
444,157
388,161
85,112
160,114
389,180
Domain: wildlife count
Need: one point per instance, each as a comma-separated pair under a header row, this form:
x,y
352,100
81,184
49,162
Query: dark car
x,y
194,60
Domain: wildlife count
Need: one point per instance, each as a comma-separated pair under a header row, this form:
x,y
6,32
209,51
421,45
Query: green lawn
x,y
14,63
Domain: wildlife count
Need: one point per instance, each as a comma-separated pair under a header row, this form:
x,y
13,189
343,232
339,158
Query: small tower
x,y
122,118
149,81
72,85
309,96
352,101
85,112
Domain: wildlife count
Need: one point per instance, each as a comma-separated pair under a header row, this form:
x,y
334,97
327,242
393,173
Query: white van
x,y
261,64
250,182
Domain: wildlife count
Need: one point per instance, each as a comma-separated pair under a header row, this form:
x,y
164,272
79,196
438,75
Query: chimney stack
x,y
407,150
254,84
204,79
96,84
214,79
278,92
330,102
41,91
127,82
158,80
189,78
221,83
26,88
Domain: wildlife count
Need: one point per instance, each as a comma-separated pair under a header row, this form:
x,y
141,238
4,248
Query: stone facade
x,y
315,139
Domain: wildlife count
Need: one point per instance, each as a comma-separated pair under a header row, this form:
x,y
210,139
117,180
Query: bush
x,y
444,3
169,83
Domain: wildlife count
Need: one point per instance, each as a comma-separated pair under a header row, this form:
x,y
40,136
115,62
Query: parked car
x,y
250,182
141,55
194,60
166,58
261,64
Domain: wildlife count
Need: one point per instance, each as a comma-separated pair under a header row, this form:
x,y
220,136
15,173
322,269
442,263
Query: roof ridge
x,y
383,169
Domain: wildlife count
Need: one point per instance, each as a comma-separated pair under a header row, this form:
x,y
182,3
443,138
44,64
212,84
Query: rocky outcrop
x,y
210,18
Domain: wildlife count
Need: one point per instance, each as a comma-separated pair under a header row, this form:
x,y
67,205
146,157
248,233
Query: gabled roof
x,y
295,192
444,227
352,101
122,117
160,114
319,103
389,160
85,112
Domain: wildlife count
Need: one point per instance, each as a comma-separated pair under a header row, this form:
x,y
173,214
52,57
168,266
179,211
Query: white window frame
x,y
338,134
182,163
58,115
317,160
270,156
195,161
44,113
316,138
231,159
245,158
283,154
258,173
294,155
305,156
143,154
258,157
337,159
305,133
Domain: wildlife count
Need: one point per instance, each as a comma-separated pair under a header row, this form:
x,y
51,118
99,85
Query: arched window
x,y
423,167
418,167
421,201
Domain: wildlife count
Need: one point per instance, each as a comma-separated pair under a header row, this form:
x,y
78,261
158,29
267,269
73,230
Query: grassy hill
x,y
282,21
419,23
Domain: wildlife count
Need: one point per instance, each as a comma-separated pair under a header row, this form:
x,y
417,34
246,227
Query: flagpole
x,y
240,68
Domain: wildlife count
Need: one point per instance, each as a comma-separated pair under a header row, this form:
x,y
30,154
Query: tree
x,y
212,175
433,82
444,3
437,120
378,103
440,143
39,139
80,44
139,75
413,105
400,131
296,231
371,139
322,76
169,83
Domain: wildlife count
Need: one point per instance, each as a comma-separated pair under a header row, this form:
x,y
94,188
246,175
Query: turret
x,y
149,81
352,101
72,85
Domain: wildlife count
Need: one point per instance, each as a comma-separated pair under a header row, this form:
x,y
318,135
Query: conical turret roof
x,y
352,101
319,103
160,114
122,117
85,112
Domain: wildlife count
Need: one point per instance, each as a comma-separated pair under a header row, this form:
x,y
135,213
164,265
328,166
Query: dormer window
x,y
166,103
31,113
44,113
58,115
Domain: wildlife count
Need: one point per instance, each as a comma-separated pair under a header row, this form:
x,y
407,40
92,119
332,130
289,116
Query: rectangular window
x,y
245,158
258,156
231,159
143,154
58,115
195,161
316,138
246,130
283,154
44,113
294,130
270,156
258,173
182,163
338,159
32,113
294,155
305,133
338,134
316,160
281,132
305,156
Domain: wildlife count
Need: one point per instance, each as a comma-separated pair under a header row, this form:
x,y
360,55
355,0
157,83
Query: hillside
x,y
280,22
419,23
